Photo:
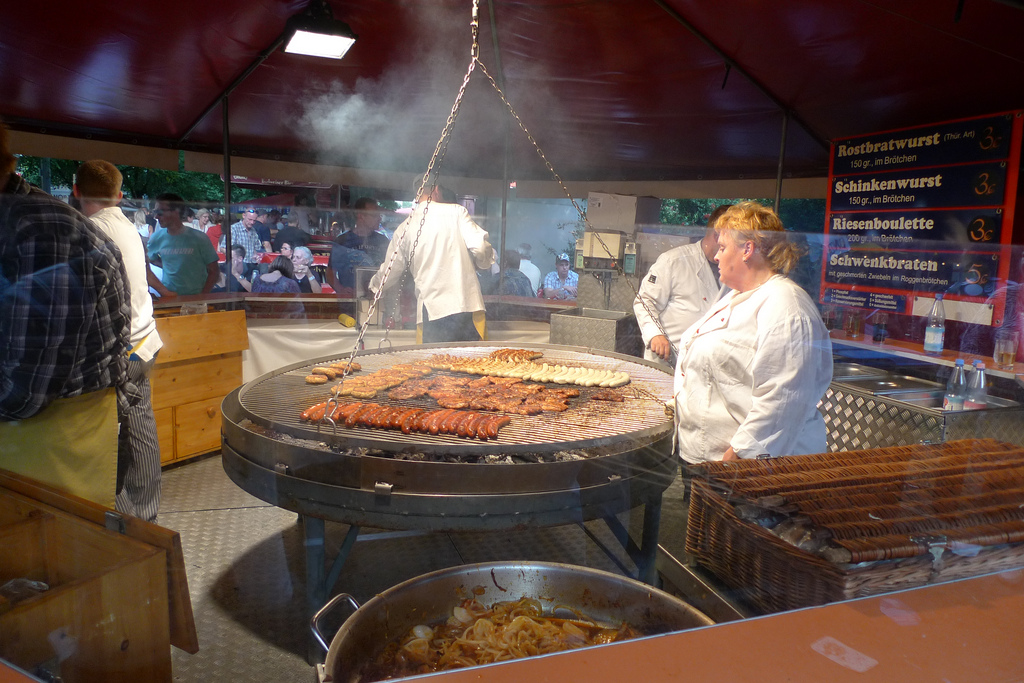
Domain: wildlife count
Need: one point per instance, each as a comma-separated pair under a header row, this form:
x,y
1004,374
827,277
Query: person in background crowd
x,y
279,279
65,326
752,369
561,283
188,261
291,234
144,229
262,226
489,277
273,221
190,219
342,267
202,220
233,280
364,236
514,282
244,232
529,268
679,287
213,230
305,214
450,244
302,259
98,188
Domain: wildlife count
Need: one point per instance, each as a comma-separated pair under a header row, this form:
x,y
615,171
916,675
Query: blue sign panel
x,y
935,145
965,273
947,186
902,227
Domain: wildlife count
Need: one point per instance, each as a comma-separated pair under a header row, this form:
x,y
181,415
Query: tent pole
x,y
507,148
226,230
222,97
782,160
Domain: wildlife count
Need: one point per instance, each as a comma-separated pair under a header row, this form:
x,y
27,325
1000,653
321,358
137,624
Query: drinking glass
x,y
1005,353
854,323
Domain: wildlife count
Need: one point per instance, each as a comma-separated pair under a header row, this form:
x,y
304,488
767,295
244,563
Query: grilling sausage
x,y
462,424
354,416
308,412
482,432
433,424
473,424
422,421
409,419
366,419
449,424
499,423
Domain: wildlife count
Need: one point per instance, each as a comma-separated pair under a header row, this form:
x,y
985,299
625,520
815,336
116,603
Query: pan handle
x,y
314,623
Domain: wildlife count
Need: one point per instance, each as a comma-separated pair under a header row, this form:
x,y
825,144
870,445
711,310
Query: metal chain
x,y
430,178
440,149
582,214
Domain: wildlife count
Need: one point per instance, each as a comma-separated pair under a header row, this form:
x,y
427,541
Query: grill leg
x,y
647,560
316,579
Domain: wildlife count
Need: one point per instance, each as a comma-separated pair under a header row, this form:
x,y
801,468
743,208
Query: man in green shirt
x,y
186,256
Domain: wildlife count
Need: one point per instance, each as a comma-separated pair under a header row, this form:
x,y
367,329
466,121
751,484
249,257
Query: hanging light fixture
x,y
317,33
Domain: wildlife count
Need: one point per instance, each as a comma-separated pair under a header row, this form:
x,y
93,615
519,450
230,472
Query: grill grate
x,y
278,399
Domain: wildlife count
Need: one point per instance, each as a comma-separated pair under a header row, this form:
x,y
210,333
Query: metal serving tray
x,y
845,371
891,385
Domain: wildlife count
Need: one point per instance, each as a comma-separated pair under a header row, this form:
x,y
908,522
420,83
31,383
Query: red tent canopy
x,y
611,89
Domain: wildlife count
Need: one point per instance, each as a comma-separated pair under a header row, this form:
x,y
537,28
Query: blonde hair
x,y
755,223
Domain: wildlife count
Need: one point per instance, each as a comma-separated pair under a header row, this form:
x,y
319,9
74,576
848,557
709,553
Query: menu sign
x,y
920,211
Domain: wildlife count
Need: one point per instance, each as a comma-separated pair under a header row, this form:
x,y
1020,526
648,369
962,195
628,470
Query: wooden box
x,y
199,364
115,603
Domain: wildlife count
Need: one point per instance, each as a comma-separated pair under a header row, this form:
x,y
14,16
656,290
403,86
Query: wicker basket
x,y
908,516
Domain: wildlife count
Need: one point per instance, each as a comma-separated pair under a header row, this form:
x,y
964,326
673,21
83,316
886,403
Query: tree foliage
x,y
144,183
799,215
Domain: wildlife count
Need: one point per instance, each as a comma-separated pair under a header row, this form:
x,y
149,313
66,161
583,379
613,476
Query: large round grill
x,y
621,452
276,401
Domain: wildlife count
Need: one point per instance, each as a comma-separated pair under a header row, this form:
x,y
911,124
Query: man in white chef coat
x,y
680,286
443,264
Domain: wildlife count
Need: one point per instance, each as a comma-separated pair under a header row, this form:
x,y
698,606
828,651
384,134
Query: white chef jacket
x,y
678,289
115,225
750,374
443,262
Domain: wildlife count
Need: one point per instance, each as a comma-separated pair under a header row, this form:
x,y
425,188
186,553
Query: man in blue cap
x,y
561,283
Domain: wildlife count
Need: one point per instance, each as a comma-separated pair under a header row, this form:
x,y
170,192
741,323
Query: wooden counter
x,y
199,364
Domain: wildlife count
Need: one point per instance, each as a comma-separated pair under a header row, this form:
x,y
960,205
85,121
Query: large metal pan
x,y
600,595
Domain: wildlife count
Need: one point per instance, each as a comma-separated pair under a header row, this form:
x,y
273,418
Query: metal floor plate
x,y
244,560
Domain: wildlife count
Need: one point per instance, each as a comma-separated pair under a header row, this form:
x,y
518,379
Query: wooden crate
x,y
116,601
199,364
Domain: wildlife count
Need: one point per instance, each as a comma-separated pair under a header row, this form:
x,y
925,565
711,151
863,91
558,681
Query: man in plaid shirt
x,y
65,314
244,232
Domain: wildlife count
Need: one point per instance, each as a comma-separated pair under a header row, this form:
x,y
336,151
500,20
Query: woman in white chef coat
x,y
752,370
